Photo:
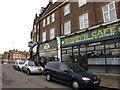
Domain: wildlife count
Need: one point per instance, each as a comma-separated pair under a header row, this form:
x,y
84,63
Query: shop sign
x,y
103,32
47,46
30,44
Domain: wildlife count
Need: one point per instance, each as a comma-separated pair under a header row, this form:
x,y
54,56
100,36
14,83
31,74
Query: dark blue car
x,y
71,74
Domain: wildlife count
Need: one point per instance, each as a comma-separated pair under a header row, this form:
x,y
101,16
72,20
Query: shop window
x,y
117,45
83,54
100,47
110,46
75,50
90,48
113,56
67,57
64,51
82,49
69,51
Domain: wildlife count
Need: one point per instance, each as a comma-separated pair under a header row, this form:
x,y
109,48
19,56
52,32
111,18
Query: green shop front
x,y
96,50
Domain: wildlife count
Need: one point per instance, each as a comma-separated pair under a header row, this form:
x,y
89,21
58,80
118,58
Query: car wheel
x,y
28,72
75,85
48,77
22,69
18,69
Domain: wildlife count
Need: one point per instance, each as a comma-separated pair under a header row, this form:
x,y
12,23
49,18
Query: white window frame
x,y
38,26
53,17
66,9
82,2
43,22
67,27
114,8
44,36
83,20
48,20
37,38
52,33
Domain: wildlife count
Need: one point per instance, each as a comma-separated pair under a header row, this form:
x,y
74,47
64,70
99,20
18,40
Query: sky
x,y
16,21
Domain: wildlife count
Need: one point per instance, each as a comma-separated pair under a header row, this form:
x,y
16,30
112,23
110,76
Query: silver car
x,y
32,67
18,64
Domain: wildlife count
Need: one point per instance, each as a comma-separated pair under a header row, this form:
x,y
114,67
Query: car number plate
x,y
96,82
39,69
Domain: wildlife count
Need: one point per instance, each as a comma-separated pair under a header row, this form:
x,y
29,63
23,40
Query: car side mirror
x,y
25,64
66,71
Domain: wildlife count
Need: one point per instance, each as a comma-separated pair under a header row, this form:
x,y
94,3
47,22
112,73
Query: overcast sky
x,y
16,20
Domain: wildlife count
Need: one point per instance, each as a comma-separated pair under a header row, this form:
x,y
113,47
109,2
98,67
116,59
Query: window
x,y
44,23
44,36
52,33
82,2
109,12
63,67
67,27
48,20
67,9
53,17
83,19
37,38
38,26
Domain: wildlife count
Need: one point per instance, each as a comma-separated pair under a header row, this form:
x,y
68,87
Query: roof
x,y
50,7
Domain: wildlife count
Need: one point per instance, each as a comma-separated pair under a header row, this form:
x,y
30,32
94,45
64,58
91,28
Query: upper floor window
x,y
37,38
44,36
67,9
52,33
48,20
83,19
67,27
44,23
53,17
82,2
109,12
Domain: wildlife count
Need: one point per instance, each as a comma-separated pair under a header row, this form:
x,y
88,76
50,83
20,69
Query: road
x,y
16,79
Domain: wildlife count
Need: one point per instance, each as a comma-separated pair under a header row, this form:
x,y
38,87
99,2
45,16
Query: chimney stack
x,y
50,1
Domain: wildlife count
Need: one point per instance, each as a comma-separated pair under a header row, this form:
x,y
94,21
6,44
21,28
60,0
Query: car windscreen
x,y
33,64
21,62
37,64
75,67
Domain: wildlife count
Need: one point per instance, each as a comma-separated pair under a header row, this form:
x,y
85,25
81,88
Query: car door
x,y
25,66
64,73
54,70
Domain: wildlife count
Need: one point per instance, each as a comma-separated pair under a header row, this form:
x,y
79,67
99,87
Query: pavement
x,y
109,80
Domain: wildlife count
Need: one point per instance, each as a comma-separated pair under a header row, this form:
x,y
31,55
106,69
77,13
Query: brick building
x,y
84,32
15,54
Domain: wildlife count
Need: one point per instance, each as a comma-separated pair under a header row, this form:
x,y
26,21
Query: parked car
x,y
71,74
18,64
32,67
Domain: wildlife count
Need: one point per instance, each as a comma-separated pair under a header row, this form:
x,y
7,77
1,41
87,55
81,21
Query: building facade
x,y
84,32
15,54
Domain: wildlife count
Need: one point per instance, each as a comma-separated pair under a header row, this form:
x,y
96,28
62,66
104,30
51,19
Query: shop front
x,y
96,50
48,51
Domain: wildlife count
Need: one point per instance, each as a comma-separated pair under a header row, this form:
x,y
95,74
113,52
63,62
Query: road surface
x,y
12,79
